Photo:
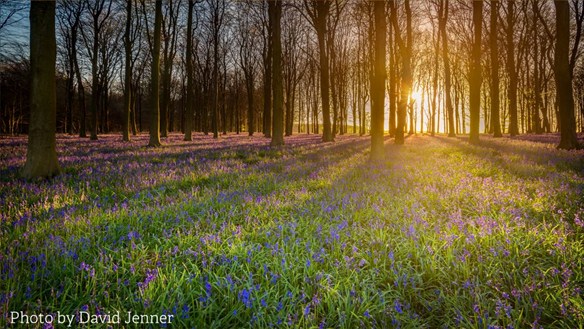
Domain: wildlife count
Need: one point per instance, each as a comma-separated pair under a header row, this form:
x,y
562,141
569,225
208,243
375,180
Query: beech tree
x,y
493,43
378,84
275,8
99,11
155,79
563,77
41,154
319,11
475,79
405,47
127,73
189,113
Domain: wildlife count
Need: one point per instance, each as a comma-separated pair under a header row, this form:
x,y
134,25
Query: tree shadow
x,y
510,151
307,157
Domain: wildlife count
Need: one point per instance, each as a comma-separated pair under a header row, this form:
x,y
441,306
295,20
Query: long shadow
x,y
318,159
488,146
312,160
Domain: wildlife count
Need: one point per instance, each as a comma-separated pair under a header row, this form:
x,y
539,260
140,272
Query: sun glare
x,y
416,96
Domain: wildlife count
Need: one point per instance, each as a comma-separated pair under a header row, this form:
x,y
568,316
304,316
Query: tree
x,y
217,8
442,19
563,77
405,47
169,36
275,7
127,74
318,12
495,117
190,79
293,70
267,61
99,11
475,71
41,155
155,79
247,61
511,69
8,13
378,85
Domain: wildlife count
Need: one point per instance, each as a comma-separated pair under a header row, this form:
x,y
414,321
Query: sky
x,y
16,33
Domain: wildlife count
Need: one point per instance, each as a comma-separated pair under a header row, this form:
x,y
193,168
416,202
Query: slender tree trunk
x,y
81,98
155,80
406,70
475,73
378,86
568,139
215,81
267,127
128,74
94,84
41,154
435,88
250,106
322,8
536,126
392,83
495,117
512,87
277,85
444,7
133,112
70,92
190,80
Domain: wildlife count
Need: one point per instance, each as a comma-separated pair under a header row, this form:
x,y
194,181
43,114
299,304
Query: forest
x,y
292,163
104,67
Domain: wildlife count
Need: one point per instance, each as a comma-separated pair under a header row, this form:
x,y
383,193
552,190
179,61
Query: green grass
x,y
439,235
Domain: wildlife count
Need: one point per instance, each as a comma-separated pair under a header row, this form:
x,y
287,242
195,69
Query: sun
x,y
416,96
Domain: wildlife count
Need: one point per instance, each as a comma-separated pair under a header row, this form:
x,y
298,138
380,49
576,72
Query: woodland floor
x,y
232,233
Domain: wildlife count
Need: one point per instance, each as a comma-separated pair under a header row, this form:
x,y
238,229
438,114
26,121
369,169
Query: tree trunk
x,y
155,79
128,74
267,129
447,76
563,77
94,84
475,72
215,77
41,155
249,84
277,85
188,123
512,71
322,9
392,82
406,70
378,86
81,98
495,117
